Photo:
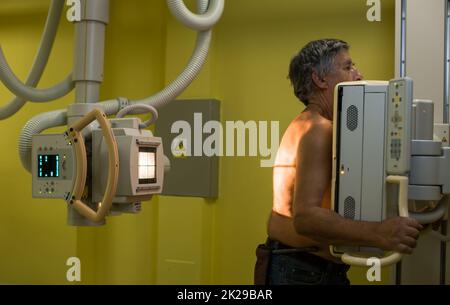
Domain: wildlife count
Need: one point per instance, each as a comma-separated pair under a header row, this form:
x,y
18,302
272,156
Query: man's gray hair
x,y
316,56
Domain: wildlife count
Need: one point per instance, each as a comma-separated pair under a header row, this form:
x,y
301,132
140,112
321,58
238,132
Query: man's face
x,y
344,70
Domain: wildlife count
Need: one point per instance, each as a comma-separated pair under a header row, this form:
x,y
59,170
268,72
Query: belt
x,y
280,248
304,254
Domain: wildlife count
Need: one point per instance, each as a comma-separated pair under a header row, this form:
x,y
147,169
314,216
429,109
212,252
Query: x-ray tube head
x,y
141,162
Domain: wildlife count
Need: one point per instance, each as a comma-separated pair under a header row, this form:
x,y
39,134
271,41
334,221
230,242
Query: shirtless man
x,y
301,215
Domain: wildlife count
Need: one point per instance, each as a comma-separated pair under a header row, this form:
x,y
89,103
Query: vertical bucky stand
x,y
429,177
368,157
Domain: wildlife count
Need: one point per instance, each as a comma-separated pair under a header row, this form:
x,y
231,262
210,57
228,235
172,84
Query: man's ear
x,y
318,81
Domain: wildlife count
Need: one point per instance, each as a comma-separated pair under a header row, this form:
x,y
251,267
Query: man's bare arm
x,y
313,177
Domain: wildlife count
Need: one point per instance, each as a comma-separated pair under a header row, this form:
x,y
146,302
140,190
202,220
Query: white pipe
x,y
174,89
41,122
202,22
191,71
35,126
23,91
139,109
111,107
45,47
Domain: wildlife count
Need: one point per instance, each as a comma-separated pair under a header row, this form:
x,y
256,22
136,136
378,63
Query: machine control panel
x,y
399,126
52,166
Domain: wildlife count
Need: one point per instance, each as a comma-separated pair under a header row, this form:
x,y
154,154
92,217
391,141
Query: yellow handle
x,y
403,212
75,135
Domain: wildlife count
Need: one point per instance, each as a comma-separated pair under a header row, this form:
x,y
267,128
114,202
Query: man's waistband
x,y
280,248
304,254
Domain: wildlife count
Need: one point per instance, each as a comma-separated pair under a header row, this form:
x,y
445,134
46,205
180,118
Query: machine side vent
x,y
352,118
349,208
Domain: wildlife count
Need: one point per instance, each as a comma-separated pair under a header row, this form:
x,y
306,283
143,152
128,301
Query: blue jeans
x,y
305,269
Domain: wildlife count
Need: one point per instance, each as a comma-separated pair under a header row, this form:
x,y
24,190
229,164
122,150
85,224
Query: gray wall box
x,y
196,175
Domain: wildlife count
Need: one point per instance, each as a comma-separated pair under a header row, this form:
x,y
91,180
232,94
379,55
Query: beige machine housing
x,y
131,141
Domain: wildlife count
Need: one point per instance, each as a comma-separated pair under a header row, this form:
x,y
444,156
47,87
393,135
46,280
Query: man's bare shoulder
x,y
312,123
317,131
307,130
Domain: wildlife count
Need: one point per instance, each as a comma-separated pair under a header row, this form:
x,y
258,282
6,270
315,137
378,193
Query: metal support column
x,y
89,50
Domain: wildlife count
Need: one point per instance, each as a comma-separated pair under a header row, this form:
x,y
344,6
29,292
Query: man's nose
x,y
358,75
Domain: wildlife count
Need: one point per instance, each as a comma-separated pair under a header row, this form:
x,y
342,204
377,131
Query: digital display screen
x,y
147,165
48,166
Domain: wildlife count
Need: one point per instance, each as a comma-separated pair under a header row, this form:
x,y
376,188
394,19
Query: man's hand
x,y
399,234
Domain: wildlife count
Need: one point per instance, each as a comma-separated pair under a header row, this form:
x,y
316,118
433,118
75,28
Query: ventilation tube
x,y
202,22
174,89
25,92
48,38
196,62
140,108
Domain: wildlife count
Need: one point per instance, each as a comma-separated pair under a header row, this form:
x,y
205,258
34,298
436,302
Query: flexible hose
x,y
192,69
28,93
174,89
202,22
139,109
47,120
48,38
111,107
56,118
35,126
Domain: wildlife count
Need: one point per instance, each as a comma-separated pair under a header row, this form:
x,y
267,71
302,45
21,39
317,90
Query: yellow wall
x,y
34,240
175,240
